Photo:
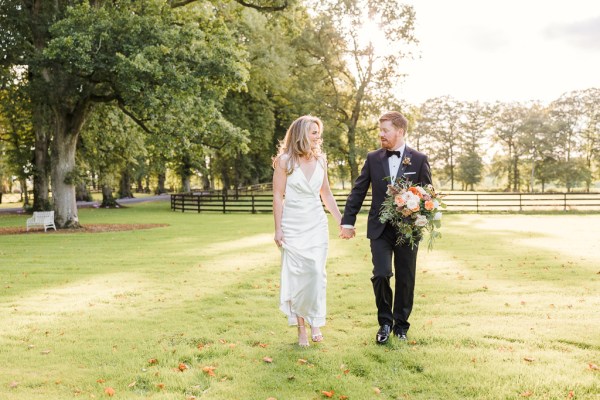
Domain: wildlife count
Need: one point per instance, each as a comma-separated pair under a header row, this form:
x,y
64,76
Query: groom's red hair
x,y
397,119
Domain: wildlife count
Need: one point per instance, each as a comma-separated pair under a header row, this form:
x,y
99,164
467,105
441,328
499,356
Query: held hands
x,y
347,233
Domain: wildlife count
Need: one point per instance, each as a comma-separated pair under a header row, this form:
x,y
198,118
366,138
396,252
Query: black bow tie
x,y
389,153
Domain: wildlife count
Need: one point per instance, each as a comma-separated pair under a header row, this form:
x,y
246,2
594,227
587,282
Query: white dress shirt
x,y
394,162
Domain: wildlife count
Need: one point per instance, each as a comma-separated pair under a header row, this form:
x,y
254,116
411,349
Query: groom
x,y
394,160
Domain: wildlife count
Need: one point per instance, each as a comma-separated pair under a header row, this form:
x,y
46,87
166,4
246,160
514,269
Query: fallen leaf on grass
x,y
327,394
302,361
377,390
209,369
14,384
182,367
100,380
342,397
222,341
267,359
593,367
263,345
526,393
152,361
132,384
271,398
571,394
160,385
44,352
529,359
109,391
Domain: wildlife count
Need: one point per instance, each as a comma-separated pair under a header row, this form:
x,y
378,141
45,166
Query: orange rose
x,y
399,200
415,191
429,205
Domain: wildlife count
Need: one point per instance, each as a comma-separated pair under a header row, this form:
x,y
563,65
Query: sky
x,y
503,50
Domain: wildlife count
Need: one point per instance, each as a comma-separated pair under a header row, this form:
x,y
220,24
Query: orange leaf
x,y
210,370
109,391
571,394
526,393
263,345
100,380
593,367
327,394
267,359
222,341
271,398
200,346
342,397
160,385
302,361
182,367
152,361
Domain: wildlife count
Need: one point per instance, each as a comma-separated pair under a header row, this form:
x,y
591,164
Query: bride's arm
x,y
329,200
279,181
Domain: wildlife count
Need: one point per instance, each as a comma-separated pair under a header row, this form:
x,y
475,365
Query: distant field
x,y
506,308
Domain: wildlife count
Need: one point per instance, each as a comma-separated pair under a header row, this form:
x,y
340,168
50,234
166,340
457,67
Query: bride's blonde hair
x,y
296,144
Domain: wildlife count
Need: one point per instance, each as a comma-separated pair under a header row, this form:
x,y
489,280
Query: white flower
x,y
421,190
421,220
436,204
437,216
413,204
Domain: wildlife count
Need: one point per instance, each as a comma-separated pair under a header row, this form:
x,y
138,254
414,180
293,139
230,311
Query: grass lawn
x,y
507,307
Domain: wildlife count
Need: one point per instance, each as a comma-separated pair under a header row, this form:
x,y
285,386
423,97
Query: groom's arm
x,y
357,195
425,173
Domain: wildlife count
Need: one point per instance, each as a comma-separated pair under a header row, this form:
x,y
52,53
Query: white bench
x,y
43,218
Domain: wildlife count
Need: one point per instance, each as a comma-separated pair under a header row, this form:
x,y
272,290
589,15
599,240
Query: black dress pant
x,y
393,309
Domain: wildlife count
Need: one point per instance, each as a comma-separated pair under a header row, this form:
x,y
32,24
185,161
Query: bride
x,y
301,232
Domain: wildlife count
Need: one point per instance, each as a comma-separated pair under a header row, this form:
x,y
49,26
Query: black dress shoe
x,y
383,334
400,334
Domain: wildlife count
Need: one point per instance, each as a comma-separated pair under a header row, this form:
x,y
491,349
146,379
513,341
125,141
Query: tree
x,y
507,126
440,119
16,135
473,126
358,76
110,143
149,56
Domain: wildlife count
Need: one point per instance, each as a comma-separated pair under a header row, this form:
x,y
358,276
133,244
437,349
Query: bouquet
x,y
411,209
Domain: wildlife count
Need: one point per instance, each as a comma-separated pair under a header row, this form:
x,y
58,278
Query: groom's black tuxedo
x,y
375,174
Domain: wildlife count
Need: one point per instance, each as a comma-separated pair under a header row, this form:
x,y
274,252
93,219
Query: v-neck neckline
x,y
313,171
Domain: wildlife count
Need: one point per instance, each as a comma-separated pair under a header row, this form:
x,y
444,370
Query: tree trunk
x,y
108,199
82,193
64,147
24,192
352,155
41,183
139,185
125,184
162,177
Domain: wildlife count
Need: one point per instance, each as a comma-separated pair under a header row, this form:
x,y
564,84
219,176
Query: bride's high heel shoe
x,y
316,334
302,337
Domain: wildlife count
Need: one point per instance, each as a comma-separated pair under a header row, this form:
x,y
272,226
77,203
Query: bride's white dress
x,y
304,251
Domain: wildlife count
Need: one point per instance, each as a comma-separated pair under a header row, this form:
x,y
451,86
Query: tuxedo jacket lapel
x,y
384,164
407,153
